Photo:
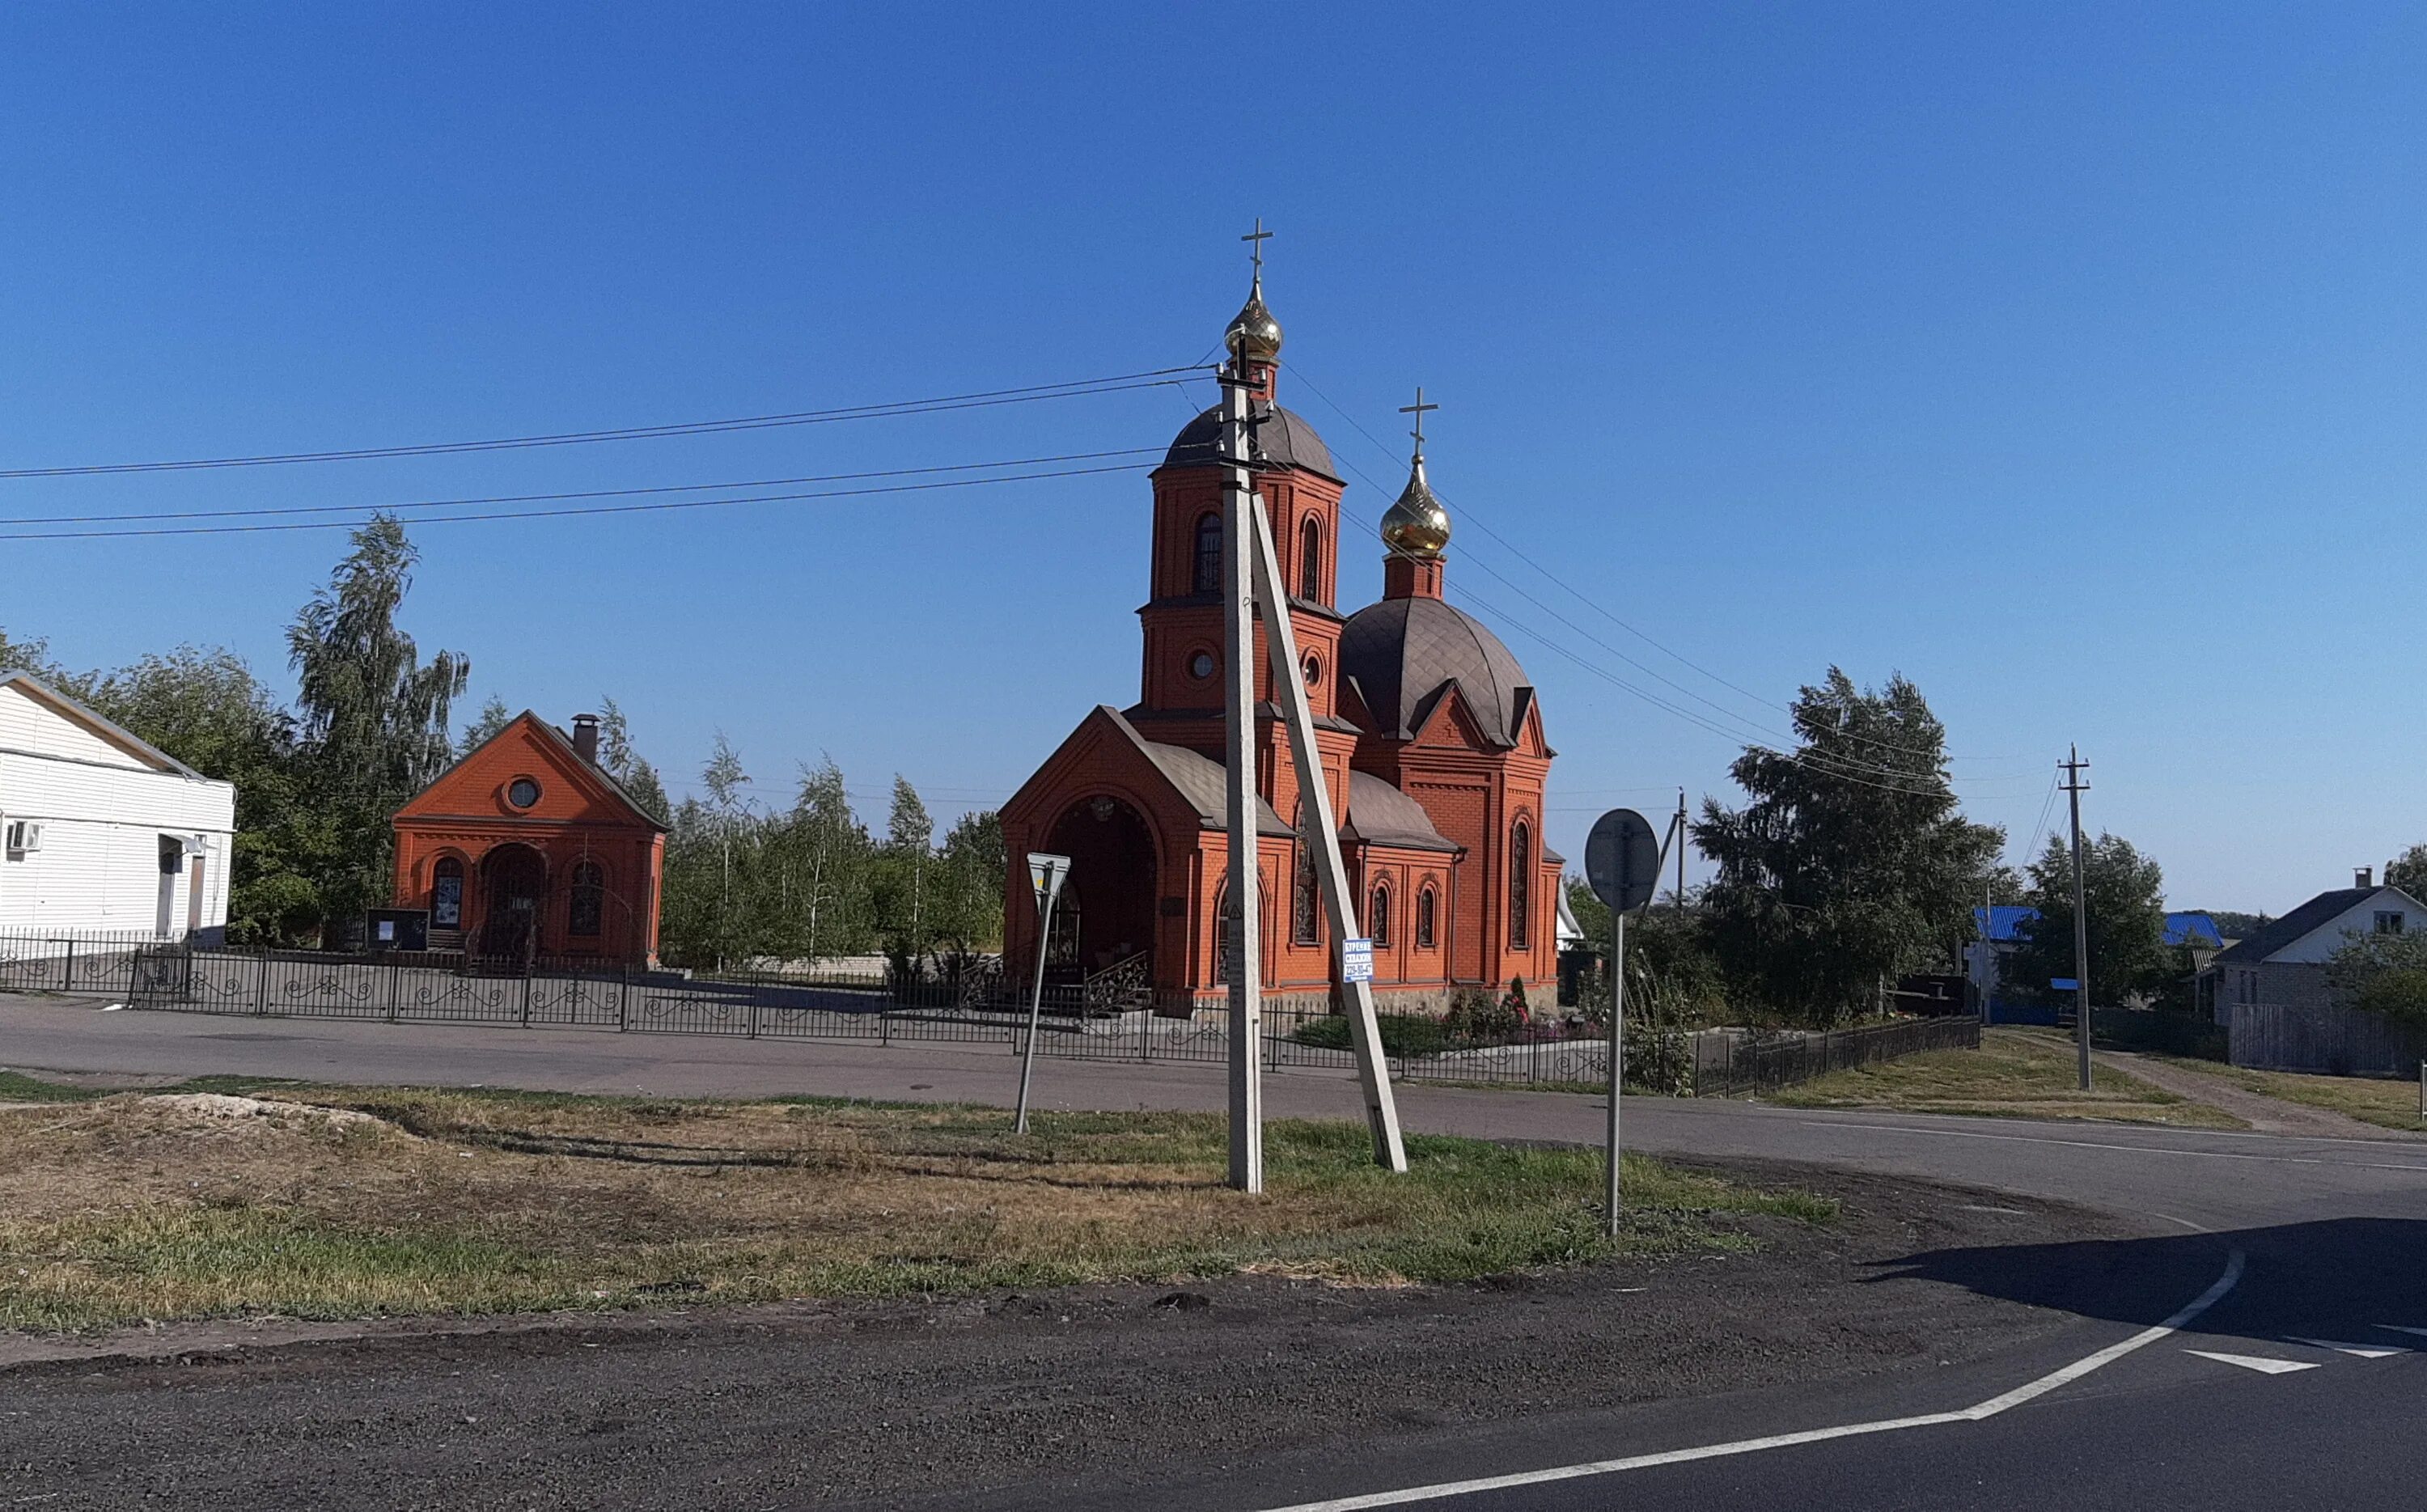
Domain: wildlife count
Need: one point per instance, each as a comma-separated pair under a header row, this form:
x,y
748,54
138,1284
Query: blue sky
x,y
2067,359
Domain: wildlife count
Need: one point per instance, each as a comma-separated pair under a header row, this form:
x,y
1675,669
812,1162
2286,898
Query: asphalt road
x,y
2300,1383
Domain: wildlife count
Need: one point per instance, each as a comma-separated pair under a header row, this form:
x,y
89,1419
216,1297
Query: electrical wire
x,y
1298,372
1073,388
538,499
594,509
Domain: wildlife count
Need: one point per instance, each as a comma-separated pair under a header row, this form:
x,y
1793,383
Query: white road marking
x,y
2363,1351
2256,1362
2134,1149
1982,1207
1785,1441
2399,1328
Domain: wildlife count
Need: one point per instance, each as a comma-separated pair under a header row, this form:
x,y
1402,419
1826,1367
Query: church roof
x,y
1402,651
1197,778
1285,437
1380,814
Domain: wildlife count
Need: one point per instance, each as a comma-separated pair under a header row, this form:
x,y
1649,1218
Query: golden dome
x,y
1254,335
1416,525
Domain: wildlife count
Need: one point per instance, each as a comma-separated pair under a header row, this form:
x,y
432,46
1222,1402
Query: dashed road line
x,y
2263,1364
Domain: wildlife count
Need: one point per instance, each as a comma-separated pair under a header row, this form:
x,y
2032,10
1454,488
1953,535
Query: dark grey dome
x,y
1287,440
1402,651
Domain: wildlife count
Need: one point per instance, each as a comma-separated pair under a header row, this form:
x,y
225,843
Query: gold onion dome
x,y
1416,525
1254,334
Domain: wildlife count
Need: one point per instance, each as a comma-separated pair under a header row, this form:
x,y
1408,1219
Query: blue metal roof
x,y
2004,925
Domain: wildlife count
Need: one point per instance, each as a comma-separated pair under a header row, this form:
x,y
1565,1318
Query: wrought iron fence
x,y
1078,1020
93,961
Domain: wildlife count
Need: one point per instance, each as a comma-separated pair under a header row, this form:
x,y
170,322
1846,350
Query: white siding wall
x,y
103,810
2316,946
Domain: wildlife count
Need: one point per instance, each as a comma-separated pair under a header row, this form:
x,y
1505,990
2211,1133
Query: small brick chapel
x,y
527,848
1429,732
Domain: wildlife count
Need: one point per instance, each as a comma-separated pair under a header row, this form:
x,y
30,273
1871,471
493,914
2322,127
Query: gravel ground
x,y
806,1403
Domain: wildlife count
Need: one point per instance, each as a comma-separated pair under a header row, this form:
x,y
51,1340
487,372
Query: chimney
x,y
2363,877
585,737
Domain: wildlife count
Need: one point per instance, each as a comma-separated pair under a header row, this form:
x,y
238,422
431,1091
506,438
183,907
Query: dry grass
x,y
127,1208
2015,1074
2389,1102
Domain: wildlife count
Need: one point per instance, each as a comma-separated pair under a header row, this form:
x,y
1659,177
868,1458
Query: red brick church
x,y
527,848
1430,736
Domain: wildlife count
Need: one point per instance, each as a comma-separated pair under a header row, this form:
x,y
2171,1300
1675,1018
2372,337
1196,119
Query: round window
x,y
1200,666
522,792
1313,668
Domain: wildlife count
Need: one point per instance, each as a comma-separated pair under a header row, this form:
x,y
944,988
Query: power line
x,y
595,509
1073,388
593,493
1595,605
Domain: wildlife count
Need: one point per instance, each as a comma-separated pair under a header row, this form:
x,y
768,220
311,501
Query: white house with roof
x,y
102,832
2283,962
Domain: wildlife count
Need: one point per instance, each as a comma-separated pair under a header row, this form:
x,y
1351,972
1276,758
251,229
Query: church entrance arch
x,y
513,886
1110,900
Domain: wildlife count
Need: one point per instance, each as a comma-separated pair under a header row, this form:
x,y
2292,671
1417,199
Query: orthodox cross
x,y
1418,409
1255,240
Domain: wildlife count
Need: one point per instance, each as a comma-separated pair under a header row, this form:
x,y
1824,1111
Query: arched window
x,y
446,893
1208,576
1377,916
1222,932
589,900
1521,889
1304,928
1309,560
1425,920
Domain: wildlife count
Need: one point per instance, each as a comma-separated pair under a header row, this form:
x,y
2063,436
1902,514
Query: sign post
x,y
1622,862
1046,873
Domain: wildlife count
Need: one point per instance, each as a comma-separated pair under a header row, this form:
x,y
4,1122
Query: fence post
x,y
261,984
67,967
1146,1033
623,1001
754,1013
527,989
395,974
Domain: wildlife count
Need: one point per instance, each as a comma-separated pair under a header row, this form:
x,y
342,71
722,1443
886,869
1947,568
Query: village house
x,y
102,832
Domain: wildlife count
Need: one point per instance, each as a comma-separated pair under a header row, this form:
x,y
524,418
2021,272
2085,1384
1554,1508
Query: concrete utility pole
x,y
2074,784
1239,782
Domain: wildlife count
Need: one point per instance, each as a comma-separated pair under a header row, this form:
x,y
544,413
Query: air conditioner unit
x,y
24,835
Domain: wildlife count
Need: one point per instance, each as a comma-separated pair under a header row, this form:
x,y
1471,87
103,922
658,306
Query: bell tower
x,y
1181,669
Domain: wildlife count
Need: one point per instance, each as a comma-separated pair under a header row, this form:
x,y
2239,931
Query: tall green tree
x,y
1849,864
2408,871
902,905
970,867
623,762
375,717
494,715
2125,894
31,654
206,708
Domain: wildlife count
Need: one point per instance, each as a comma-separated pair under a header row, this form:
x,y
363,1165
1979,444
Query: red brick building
x,y
525,848
1429,733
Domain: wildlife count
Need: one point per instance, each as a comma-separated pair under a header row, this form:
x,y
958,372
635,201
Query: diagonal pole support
x,y
1332,871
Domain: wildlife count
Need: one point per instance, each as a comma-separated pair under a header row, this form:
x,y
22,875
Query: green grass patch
x,y
2015,1073
2389,1102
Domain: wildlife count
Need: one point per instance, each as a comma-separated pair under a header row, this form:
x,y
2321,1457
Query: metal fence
x,y
88,961
1728,1063
435,987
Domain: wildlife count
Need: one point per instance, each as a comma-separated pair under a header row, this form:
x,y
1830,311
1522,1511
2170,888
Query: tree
x,y
494,715
630,770
374,716
2408,871
2383,974
32,655
2125,894
902,876
2236,925
967,911
206,708
1851,865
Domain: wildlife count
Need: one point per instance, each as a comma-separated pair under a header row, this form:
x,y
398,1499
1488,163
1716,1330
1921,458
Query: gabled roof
x,y
554,739
2316,914
135,745
1195,778
2003,923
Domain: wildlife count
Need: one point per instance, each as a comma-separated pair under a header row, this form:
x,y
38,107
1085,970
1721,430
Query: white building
x,y
100,831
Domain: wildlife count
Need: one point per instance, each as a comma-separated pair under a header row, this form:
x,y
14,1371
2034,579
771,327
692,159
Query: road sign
x,y
2063,985
1622,860
1356,960
1046,873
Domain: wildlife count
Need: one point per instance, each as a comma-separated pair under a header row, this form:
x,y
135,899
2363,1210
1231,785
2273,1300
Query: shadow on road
x,y
2343,1279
